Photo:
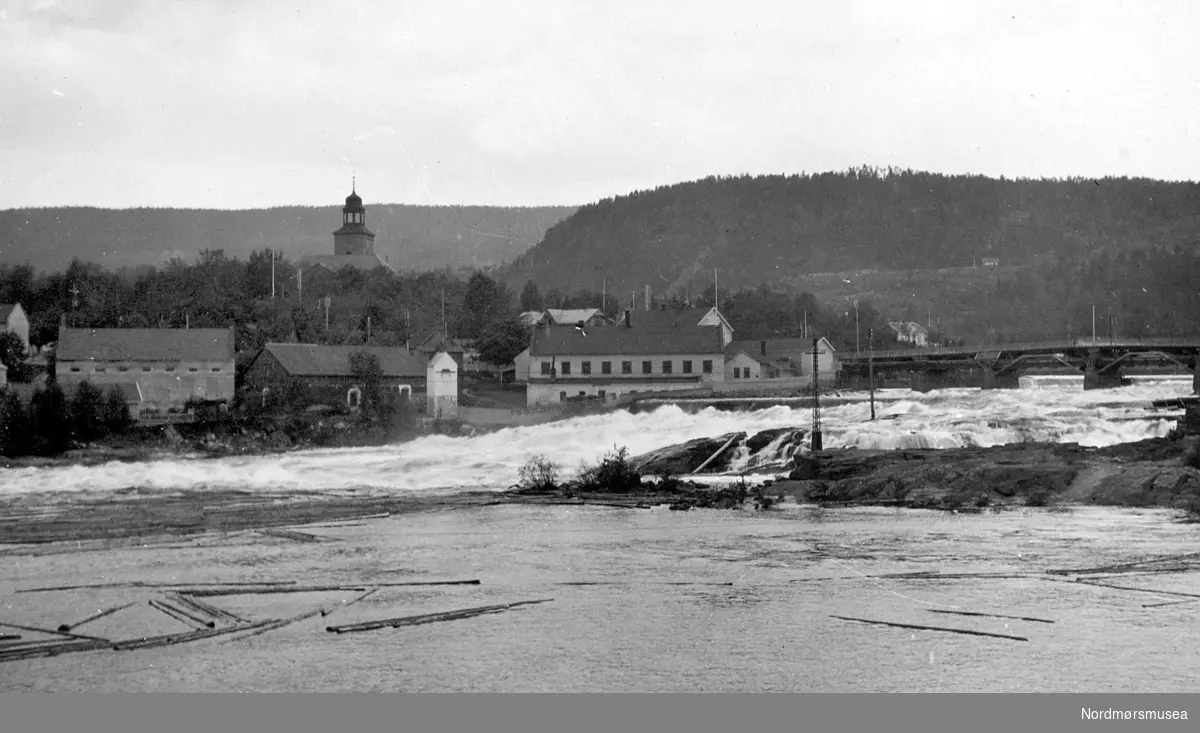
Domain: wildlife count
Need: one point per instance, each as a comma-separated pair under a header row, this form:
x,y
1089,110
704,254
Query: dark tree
x,y
116,411
485,299
16,428
51,420
531,299
369,377
503,340
87,412
12,355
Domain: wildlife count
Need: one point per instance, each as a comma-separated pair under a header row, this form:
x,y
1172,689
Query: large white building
x,y
568,363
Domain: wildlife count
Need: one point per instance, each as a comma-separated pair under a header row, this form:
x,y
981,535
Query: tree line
x,y
50,421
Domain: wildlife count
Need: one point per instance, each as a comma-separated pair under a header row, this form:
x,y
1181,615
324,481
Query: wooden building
x,y
324,374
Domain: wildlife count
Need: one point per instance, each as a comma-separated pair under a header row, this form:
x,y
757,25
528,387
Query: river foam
x,y
904,419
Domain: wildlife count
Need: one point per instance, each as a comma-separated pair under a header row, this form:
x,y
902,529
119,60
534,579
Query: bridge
x,y
1101,363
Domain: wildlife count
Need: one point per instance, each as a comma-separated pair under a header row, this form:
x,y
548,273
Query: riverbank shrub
x,y
613,474
538,474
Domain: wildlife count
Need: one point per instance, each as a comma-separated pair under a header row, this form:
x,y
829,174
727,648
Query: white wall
x,y
441,380
522,362
742,362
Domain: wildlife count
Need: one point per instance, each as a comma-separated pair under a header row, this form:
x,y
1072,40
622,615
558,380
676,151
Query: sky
x,y
238,104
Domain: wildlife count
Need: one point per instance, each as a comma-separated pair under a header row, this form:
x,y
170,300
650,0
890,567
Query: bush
x,y
51,420
115,411
1039,496
538,474
16,427
87,412
762,500
612,475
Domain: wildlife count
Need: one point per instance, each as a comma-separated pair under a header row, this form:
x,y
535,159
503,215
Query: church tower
x,y
354,238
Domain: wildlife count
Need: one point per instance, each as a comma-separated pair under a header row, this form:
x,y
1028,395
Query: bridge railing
x,y
972,349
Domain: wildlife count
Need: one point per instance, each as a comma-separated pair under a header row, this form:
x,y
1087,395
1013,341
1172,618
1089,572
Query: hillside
x,y
410,237
780,229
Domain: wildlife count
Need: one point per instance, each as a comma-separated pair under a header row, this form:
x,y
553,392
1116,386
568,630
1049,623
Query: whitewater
x,y
1062,413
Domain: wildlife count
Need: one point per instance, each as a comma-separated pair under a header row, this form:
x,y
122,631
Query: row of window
x,y
585,367
101,369
741,372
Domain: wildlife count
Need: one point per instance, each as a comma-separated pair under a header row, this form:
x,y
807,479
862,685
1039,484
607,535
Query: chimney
x,y
762,346
647,297
579,325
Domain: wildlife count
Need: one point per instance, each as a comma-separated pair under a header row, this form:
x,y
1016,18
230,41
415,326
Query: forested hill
x,y
757,229
410,237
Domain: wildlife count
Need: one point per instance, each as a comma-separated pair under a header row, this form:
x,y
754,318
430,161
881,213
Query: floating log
x,y
1170,603
142,584
12,637
992,615
51,650
172,639
52,632
1122,566
1139,590
207,608
720,450
348,603
288,534
179,615
260,590
279,624
627,582
399,584
93,617
432,617
931,628
921,575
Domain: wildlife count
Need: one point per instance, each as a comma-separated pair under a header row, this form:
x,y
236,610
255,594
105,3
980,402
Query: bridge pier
x,y
988,378
1094,378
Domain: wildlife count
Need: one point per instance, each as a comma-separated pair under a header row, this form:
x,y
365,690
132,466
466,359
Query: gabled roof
x,y
337,262
145,344
319,360
621,341
780,348
571,316
669,317
6,310
530,318
438,341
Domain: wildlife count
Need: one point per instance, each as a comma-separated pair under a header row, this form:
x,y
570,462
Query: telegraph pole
x,y
815,443
871,367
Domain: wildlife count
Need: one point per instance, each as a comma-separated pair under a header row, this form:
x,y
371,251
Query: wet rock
x,y
684,458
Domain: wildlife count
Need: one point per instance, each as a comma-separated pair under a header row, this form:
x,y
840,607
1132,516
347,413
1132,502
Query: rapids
x,y
436,464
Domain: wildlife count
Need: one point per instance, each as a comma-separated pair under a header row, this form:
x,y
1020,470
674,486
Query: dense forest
x,y
767,228
408,237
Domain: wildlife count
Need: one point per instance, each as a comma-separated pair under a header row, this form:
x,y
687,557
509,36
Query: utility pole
x,y
327,301
444,334
815,443
407,330
299,285
272,274
1093,325
857,346
604,296
871,367
368,329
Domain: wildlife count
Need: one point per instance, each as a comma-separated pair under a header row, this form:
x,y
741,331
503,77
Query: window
x,y
545,368
562,396
687,367
666,366
602,394
586,367
737,372
216,369
606,367
193,369
627,367
74,369
170,369
99,369
566,368
145,369
123,369
647,368
706,366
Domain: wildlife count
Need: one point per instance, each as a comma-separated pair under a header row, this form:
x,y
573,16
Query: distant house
x,y
160,368
13,320
533,318
674,317
605,363
461,350
521,367
781,357
326,376
442,393
910,332
990,262
575,316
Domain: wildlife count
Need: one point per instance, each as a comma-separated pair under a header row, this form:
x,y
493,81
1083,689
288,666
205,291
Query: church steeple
x,y
354,238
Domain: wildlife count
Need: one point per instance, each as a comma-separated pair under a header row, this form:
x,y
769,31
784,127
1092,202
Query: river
x,y
706,600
